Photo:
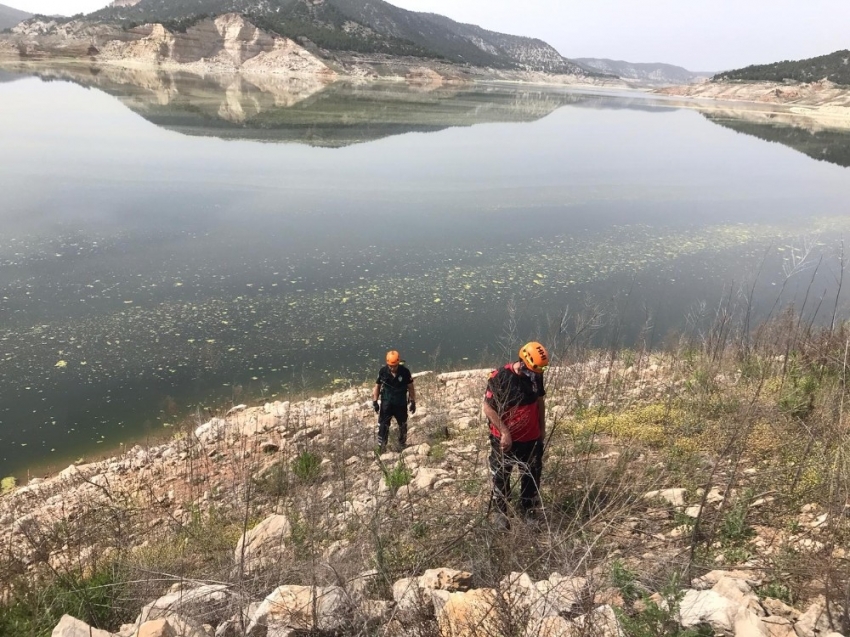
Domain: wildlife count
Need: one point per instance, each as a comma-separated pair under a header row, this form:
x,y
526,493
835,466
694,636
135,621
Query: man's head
x,y
534,356
393,359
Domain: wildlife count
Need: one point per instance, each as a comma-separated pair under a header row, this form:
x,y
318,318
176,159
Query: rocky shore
x,y
302,529
824,101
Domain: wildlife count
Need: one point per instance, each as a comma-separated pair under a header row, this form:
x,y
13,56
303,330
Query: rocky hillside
x,y
232,43
653,74
227,43
683,494
823,101
834,68
372,26
9,17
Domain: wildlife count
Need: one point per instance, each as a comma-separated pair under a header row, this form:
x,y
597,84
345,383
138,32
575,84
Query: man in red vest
x,y
515,406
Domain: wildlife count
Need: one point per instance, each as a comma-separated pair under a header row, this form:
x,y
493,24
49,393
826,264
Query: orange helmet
x,y
535,357
393,358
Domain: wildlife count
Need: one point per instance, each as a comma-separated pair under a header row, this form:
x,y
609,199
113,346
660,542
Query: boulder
x,y
204,603
815,621
71,627
413,594
777,608
156,628
778,627
748,624
424,478
301,608
408,596
445,579
472,614
560,595
707,607
738,591
600,622
264,543
211,431
555,626
676,497
556,596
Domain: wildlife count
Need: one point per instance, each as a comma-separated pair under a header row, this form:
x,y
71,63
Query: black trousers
x,y
528,458
387,413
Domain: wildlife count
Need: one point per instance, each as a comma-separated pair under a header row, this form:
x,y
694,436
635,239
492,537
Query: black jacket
x,y
394,388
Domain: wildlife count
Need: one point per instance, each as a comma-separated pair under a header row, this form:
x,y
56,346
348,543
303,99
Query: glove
x,y
411,407
376,406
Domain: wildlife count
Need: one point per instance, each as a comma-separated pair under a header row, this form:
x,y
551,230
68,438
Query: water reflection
x,y
307,109
315,111
803,134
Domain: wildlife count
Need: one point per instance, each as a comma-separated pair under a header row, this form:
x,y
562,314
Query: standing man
x,y
395,388
515,406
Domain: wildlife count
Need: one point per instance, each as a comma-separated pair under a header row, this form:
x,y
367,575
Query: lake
x,y
172,243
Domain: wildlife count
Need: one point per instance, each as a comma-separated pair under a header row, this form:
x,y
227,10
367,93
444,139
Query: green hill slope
x,y
834,67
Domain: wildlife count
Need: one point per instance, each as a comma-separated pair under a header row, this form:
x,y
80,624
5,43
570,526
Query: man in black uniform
x,y
395,388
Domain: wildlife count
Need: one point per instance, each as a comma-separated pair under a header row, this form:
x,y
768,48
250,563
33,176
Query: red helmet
x,y
393,357
535,357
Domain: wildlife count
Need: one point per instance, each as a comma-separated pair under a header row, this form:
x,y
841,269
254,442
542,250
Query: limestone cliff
x,y
225,44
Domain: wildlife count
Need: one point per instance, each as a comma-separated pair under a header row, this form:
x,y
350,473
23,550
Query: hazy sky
x,y
701,36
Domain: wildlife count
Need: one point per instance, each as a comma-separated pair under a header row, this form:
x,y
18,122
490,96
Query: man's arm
x,y
411,390
504,433
376,390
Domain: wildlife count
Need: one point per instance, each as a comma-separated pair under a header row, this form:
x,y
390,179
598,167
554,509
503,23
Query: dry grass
x,y
759,420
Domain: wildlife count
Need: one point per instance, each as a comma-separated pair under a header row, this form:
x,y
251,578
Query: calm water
x,y
169,242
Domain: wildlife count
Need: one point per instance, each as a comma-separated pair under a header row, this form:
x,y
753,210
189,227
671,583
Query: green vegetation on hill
x,y
834,67
327,27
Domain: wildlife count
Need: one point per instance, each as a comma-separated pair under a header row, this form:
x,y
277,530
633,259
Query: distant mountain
x,y
9,17
366,26
648,73
834,67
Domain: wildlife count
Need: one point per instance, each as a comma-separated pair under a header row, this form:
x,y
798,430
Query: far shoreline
x,y
692,96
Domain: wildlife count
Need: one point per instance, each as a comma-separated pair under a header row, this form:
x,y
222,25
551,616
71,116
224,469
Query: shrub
x,y
625,581
7,484
776,590
438,452
659,620
798,398
307,467
734,527
652,425
36,607
398,476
